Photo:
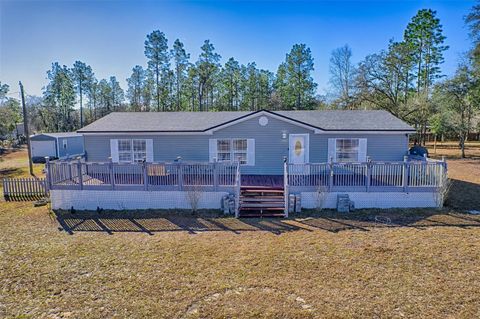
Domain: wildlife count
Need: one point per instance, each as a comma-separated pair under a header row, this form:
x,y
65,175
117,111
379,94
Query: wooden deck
x,y
266,181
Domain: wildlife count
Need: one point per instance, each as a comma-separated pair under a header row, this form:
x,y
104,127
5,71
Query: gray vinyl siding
x,y
74,146
166,148
270,147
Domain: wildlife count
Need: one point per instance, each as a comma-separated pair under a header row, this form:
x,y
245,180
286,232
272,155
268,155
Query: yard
x,y
396,263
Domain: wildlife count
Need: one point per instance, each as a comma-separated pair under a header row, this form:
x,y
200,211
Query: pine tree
x,y
135,89
156,51
207,66
59,97
180,62
83,77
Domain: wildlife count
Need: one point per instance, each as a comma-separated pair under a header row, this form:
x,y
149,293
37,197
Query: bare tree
x,y
342,76
321,197
194,194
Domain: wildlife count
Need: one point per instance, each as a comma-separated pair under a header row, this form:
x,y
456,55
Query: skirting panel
x,y
120,200
371,200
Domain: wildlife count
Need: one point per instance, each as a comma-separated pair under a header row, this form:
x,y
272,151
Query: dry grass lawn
x,y
416,264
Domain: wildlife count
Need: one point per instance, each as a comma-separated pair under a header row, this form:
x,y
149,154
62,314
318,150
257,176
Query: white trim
x,y
149,150
267,114
212,150
57,148
367,132
332,150
250,152
147,133
210,132
114,150
362,150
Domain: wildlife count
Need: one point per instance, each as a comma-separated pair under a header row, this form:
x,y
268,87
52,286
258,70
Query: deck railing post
x,y
368,174
405,174
48,169
215,176
285,186
238,185
145,175
112,173
80,174
70,179
180,175
330,177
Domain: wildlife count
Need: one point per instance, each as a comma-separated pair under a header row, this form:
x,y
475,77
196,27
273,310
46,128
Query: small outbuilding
x,y
56,145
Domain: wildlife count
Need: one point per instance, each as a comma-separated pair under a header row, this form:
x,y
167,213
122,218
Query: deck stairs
x,y
262,201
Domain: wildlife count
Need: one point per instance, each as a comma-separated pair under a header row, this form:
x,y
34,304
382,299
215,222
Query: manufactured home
x,y
56,145
268,154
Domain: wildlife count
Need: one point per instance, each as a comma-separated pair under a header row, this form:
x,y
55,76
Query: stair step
x,y
261,208
261,199
276,191
260,187
264,205
261,215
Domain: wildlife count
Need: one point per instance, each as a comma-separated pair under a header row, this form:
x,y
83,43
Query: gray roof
x,y
202,121
59,134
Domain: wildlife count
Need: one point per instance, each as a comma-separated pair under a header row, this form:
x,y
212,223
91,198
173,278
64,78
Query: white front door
x,y
298,148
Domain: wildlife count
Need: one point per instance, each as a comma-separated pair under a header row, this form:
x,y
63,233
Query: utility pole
x,y
25,128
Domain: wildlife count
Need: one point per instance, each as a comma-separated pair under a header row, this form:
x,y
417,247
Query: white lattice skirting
x,y
120,200
373,200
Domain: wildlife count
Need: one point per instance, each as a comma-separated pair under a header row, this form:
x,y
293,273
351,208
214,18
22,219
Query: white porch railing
x,y
142,176
367,177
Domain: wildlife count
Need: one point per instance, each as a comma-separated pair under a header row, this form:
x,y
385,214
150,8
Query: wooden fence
x,y
24,188
141,176
367,177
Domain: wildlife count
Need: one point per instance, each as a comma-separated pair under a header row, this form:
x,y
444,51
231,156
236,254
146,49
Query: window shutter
x,y
212,149
332,150
251,152
362,149
114,150
149,149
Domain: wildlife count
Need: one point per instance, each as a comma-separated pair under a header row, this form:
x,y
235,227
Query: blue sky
x,y
109,35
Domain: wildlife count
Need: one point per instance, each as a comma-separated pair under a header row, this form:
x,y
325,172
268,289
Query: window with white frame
x,y
347,149
232,150
132,150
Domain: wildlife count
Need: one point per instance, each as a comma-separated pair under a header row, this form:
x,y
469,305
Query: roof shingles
x,y
203,121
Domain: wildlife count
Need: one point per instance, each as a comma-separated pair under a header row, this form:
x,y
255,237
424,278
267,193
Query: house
x,y
260,139
55,145
262,161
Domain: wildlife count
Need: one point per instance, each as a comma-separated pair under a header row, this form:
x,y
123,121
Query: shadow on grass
x,y
464,195
11,172
151,222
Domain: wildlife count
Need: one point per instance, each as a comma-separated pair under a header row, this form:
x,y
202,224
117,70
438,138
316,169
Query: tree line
x,y
405,79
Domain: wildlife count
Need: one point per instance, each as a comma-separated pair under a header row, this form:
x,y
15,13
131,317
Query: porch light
x,y
284,135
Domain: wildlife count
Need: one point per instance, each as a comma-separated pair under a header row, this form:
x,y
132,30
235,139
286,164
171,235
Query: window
x,y
132,150
240,150
224,150
124,150
139,150
64,143
347,149
232,150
